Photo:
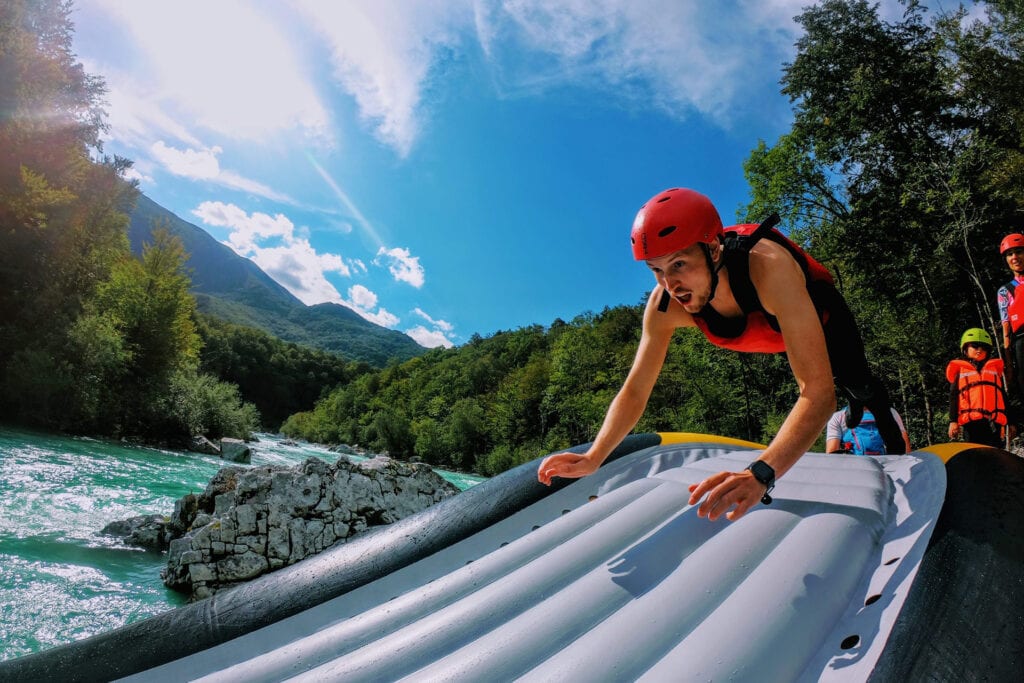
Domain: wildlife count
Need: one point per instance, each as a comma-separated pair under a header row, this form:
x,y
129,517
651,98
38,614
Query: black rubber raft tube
x,y
963,619
272,597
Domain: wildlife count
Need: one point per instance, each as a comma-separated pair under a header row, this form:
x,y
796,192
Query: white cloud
x,y
438,336
190,163
440,324
429,338
403,266
300,269
362,298
363,301
246,230
291,261
228,64
202,164
134,173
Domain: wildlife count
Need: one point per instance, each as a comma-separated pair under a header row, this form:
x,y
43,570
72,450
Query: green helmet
x,y
977,335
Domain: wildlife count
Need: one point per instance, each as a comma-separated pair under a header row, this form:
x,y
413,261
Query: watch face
x,y
763,472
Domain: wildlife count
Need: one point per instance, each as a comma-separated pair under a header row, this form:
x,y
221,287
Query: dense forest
x,y
902,170
280,378
502,400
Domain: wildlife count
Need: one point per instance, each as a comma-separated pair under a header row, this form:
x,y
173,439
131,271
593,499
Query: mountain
x,y
234,289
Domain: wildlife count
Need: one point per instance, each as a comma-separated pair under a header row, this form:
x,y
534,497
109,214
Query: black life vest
x,y
756,331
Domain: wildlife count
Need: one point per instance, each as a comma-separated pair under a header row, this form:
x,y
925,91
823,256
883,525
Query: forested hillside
x,y
506,399
234,289
902,170
278,377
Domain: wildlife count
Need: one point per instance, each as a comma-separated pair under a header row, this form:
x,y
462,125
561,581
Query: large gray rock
x,y
200,444
152,532
235,450
250,521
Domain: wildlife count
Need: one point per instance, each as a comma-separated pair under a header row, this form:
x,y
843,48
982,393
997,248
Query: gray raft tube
x,y
342,568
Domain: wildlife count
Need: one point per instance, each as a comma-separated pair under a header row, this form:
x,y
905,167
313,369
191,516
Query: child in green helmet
x,y
977,400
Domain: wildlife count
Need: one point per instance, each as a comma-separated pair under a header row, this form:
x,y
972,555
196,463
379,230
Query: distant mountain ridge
x,y
233,288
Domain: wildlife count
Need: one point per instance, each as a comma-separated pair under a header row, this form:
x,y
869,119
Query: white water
x,y
59,579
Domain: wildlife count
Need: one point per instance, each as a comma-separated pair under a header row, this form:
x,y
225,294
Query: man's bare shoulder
x,y
772,262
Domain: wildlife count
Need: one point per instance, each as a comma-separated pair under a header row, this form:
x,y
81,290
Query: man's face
x,y
1015,259
685,275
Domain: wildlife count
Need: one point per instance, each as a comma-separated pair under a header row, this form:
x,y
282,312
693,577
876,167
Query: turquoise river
x,y
59,579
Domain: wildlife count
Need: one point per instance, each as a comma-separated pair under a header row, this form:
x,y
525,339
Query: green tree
x,y
142,315
62,214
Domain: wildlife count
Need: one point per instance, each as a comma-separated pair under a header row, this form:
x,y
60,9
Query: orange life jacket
x,y
1015,311
981,391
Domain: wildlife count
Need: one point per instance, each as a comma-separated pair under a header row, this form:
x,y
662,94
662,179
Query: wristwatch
x,y
765,474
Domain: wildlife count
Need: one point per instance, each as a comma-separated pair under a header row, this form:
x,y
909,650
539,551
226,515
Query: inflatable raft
x,y
890,568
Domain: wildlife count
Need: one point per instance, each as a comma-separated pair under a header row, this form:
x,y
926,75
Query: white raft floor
x,y
615,578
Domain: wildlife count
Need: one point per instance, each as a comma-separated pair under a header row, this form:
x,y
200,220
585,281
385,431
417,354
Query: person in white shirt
x,y
863,439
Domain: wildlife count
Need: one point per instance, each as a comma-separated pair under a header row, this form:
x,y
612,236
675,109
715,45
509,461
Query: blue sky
x,y
443,167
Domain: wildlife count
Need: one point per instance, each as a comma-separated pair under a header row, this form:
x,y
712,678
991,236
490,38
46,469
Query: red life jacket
x,y
1015,311
758,331
981,394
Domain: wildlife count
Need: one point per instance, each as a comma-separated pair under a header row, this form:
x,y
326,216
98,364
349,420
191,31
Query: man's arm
x,y
834,432
629,404
782,288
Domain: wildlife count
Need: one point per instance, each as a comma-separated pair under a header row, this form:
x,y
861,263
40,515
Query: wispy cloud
x,y
239,74
202,164
685,58
345,200
440,324
271,243
383,53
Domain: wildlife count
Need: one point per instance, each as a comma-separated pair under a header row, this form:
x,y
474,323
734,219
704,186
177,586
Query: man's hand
x,y
724,491
954,430
568,465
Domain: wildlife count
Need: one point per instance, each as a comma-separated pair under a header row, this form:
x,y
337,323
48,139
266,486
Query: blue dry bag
x,y
863,439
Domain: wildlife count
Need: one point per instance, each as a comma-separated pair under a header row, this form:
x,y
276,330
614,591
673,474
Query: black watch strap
x,y
765,474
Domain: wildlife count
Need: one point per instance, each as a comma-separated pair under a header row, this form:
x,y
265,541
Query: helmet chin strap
x,y
713,268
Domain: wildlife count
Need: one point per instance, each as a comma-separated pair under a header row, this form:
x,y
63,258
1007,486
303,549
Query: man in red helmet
x,y
750,289
1011,308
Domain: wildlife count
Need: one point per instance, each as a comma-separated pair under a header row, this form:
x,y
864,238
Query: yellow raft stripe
x,y
691,437
946,451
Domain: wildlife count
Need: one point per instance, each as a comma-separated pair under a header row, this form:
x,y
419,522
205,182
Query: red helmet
x,y
1012,241
673,220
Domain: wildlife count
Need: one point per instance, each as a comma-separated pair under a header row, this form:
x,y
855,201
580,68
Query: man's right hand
x,y
568,465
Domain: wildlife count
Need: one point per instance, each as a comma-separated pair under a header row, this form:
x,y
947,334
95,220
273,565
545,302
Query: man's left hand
x,y
735,491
